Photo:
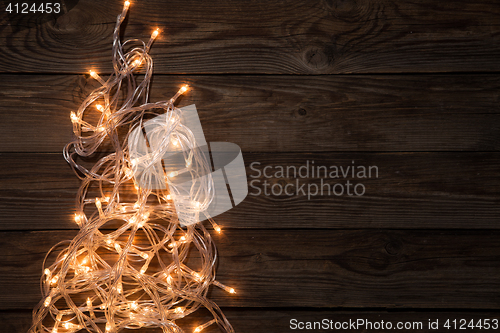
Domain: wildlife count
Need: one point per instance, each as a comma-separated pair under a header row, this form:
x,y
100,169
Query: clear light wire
x,y
131,264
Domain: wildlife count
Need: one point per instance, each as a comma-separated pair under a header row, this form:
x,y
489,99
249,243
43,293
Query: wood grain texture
x,y
277,78
413,190
453,190
293,36
282,113
330,268
251,320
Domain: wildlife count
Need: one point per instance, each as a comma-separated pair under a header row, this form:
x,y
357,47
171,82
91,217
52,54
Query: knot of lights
x,y
132,264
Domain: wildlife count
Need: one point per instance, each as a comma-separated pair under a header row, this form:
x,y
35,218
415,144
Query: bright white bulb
x,y
74,117
94,75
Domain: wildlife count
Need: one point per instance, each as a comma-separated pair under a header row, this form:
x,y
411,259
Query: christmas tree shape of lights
x,y
132,263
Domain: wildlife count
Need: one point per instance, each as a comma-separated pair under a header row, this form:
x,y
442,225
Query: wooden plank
x,y
293,36
413,190
248,320
312,268
282,113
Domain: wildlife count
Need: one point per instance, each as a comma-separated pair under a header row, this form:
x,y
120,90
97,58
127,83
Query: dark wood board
x,y
250,320
312,268
411,87
282,113
413,190
293,36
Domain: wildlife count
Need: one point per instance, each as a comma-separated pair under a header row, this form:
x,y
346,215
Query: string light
x,y
115,280
155,33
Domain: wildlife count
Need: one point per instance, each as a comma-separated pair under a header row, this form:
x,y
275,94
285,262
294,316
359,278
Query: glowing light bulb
x,y
99,107
126,4
226,288
179,309
94,75
155,33
89,303
137,62
47,272
172,174
217,228
169,279
74,117
54,279
108,327
47,301
133,305
85,261
183,89
78,218
202,327
175,142
169,197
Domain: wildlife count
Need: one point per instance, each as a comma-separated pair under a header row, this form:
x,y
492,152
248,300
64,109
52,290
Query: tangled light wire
x,y
141,273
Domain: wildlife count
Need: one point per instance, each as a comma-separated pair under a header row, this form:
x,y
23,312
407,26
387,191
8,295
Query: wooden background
x,y
409,86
